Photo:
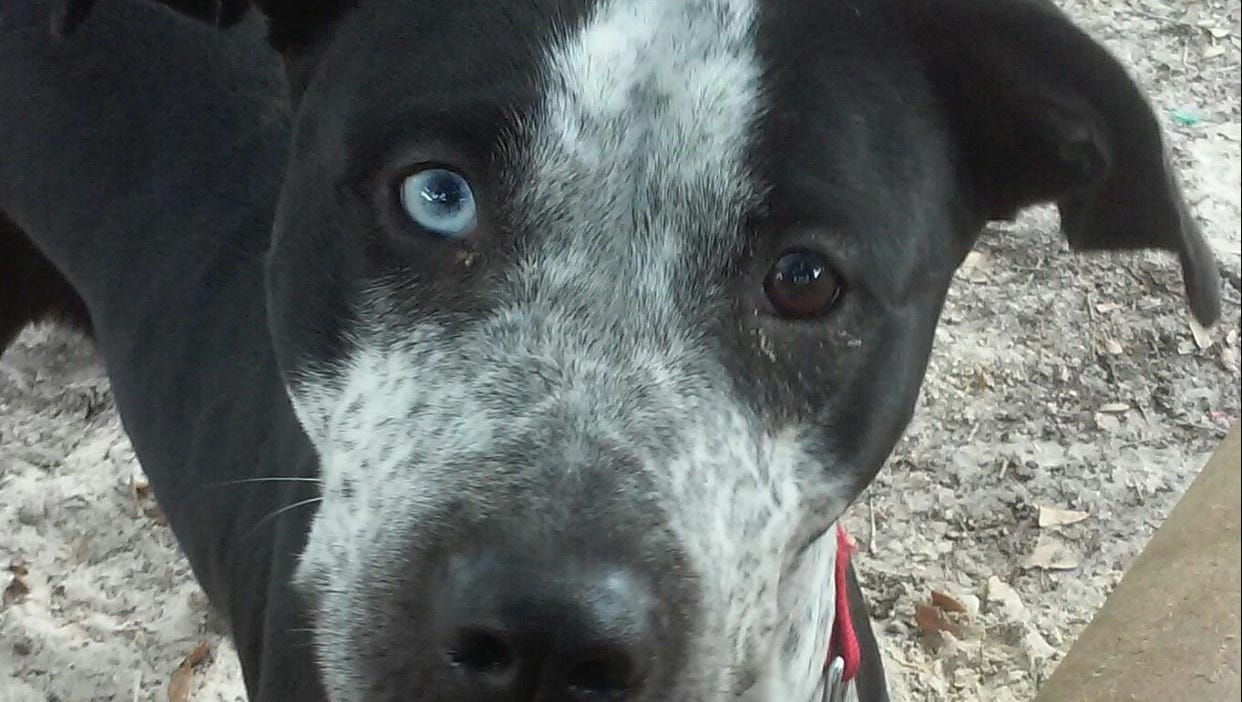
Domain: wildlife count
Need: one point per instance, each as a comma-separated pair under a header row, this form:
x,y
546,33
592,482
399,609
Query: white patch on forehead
x,y
637,155
679,75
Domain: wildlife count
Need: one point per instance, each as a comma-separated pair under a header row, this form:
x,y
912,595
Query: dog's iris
x,y
802,285
441,202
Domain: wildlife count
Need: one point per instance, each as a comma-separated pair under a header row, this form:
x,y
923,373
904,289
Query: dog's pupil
x,y
801,285
802,270
444,193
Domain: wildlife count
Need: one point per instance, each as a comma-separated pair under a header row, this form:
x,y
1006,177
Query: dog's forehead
x,y
643,128
670,81
610,109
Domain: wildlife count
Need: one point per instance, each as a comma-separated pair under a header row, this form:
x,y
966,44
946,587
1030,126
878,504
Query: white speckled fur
x,y
632,172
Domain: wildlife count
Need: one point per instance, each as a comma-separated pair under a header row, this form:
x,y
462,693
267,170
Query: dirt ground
x,y
1058,381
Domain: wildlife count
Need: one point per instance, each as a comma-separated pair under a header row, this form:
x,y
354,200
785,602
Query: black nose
x,y
520,629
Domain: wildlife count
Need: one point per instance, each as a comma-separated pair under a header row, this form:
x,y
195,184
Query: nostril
x,y
483,653
511,628
611,671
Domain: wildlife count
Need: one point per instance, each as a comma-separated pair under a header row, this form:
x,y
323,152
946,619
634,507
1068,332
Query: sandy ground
x,y
1057,381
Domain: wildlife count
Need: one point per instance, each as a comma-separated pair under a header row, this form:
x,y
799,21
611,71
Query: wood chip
x,y
947,602
155,514
1203,337
931,620
1055,517
1115,408
1052,554
974,267
16,591
1113,347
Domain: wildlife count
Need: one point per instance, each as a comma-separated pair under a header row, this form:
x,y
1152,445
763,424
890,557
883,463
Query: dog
x,y
531,351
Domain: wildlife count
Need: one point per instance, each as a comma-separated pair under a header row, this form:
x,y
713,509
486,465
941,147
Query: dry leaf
x,y
1052,554
155,514
1106,307
974,259
1115,408
180,683
947,602
1054,517
16,591
1004,599
1113,347
182,680
1107,422
931,620
1218,32
1203,338
982,381
974,267
198,655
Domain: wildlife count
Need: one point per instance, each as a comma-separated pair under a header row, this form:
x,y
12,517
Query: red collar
x,y
843,643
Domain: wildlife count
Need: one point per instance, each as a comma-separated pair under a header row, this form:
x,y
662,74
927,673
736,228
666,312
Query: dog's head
x,y
600,312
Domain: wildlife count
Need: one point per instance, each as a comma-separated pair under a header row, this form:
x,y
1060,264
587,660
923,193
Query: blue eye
x,y
441,202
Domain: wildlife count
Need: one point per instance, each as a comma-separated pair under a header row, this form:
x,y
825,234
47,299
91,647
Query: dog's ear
x,y
297,25
294,25
299,29
1042,113
296,28
68,15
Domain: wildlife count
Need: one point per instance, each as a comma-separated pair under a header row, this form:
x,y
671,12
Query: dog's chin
x,y
808,612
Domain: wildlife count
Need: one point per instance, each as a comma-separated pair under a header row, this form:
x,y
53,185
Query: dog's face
x,y
619,304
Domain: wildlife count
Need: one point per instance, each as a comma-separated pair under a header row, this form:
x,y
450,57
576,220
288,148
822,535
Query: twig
x,y
974,431
871,519
1095,356
1162,18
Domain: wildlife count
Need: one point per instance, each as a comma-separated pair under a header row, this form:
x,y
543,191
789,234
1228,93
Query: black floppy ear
x,y
299,29
296,28
1042,113
293,24
68,15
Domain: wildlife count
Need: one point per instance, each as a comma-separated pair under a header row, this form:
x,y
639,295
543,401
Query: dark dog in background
x,y
541,344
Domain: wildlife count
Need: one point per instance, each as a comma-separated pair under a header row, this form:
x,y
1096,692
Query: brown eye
x,y
801,285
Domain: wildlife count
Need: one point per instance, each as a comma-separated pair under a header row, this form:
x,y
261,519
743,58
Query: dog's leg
x,y
31,288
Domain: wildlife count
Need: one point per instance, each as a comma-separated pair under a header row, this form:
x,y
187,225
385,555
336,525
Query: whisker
x,y
283,510
270,479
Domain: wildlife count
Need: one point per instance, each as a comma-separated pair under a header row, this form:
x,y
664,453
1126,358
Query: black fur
x,y
33,290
